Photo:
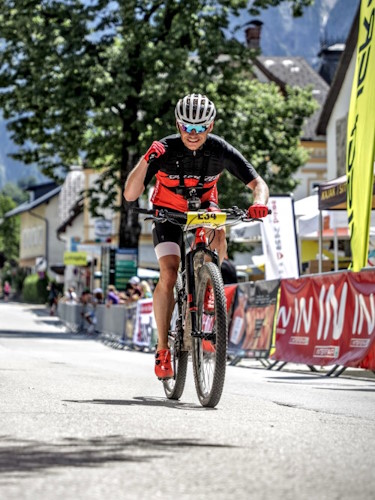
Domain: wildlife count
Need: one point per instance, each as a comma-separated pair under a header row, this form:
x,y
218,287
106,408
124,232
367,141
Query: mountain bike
x,y
199,321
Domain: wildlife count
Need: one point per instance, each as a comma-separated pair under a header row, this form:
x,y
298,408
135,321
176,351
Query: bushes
x,y
35,289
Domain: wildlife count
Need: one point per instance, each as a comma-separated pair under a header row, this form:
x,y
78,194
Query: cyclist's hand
x,y
213,208
154,151
257,211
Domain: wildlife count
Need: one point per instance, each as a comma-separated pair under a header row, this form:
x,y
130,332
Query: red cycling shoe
x,y
163,365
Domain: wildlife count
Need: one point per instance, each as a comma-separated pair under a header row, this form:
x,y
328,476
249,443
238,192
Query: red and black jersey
x,y
179,170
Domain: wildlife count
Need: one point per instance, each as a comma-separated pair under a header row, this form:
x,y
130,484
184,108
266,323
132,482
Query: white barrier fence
x,y
120,325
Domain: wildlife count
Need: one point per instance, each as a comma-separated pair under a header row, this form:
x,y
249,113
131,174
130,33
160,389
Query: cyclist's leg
x,y
163,297
167,240
219,243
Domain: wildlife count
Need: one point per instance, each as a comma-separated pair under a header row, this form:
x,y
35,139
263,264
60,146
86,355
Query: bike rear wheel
x,y
209,350
174,387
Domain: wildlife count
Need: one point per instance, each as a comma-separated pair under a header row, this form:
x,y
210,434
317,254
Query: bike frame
x,y
191,266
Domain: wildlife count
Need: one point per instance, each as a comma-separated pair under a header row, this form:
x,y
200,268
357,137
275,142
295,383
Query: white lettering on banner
x,y
283,316
360,312
300,313
328,304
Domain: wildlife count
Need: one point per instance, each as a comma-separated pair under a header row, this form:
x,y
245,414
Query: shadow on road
x,y
21,457
141,401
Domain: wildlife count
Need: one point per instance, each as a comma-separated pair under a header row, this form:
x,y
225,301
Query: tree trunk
x,y
130,228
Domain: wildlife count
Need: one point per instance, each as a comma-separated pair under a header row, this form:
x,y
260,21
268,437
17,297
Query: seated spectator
x,y
112,296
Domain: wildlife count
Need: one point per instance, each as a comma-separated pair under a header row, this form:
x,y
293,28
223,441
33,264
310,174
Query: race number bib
x,y
206,219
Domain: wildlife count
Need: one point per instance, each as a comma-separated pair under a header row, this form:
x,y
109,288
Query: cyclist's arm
x,y
260,190
134,185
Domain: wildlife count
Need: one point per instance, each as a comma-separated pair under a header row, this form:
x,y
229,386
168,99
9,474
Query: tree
x,y
96,81
9,230
266,126
16,192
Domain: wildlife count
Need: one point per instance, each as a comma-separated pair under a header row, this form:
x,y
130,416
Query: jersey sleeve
x,y
238,166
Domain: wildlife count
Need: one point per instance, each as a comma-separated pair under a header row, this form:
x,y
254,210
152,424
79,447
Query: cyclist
x,y
187,167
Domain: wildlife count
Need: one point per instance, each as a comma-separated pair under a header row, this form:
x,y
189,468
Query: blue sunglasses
x,y
189,128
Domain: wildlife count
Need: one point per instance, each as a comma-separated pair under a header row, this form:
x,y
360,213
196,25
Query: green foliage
x,y
16,192
35,290
95,82
9,230
266,126
18,276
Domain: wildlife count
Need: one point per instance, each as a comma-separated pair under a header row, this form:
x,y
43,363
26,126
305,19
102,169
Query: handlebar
x,y
197,218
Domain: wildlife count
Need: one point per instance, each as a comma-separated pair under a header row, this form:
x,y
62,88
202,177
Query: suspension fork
x,y
194,260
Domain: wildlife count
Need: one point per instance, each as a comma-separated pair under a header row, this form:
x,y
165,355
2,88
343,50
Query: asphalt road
x,y
79,420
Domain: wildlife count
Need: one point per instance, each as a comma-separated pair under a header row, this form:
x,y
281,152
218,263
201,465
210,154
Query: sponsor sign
x,y
102,229
251,325
279,239
144,323
75,259
326,320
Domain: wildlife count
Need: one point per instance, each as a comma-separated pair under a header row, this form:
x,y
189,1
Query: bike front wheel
x,y
174,387
209,350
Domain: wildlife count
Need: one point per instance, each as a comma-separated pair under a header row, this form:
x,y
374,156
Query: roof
x,y
339,77
295,72
27,206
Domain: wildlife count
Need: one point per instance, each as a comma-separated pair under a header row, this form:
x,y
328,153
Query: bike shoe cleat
x,y
209,300
163,365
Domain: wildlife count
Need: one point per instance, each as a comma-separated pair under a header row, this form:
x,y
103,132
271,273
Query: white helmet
x,y
134,280
195,109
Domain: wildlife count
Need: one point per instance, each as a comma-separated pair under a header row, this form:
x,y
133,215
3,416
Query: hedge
x,y
34,289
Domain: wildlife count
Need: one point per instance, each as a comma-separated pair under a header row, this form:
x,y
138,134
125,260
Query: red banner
x,y
230,291
327,320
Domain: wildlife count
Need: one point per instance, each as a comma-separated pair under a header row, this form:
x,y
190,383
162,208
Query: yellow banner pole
x,y
361,139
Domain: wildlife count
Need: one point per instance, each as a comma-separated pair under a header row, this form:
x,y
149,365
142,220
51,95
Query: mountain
x,y
327,21
12,170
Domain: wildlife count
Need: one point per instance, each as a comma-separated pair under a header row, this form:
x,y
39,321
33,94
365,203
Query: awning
x,y
332,194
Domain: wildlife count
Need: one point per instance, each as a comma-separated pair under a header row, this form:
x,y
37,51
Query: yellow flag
x,y
361,139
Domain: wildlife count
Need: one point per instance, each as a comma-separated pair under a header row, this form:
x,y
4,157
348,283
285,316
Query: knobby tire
x,y
174,387
210,363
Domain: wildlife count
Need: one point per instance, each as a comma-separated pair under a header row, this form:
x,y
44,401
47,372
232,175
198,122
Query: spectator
x,y
134,290
98,297
71,295
146,289
228,271
88,312
52,297
6,290
112,296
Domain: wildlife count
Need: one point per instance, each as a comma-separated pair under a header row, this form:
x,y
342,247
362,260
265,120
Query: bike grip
x,y
140,210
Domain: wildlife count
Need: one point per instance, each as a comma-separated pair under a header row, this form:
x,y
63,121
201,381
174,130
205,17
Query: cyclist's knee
x,y
168,277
